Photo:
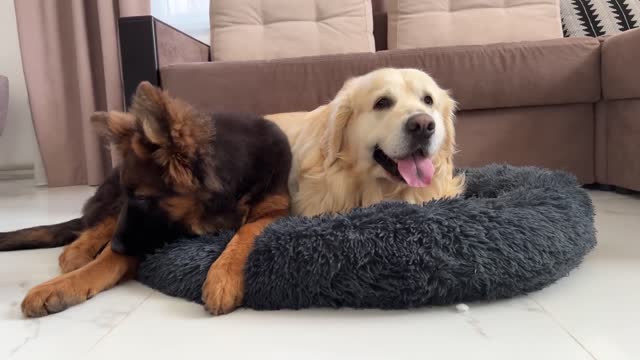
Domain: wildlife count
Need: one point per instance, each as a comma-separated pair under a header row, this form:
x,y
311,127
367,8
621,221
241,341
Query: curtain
x,y
71,63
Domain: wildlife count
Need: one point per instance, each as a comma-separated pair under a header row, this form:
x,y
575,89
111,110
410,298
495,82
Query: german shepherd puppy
x,y
183,173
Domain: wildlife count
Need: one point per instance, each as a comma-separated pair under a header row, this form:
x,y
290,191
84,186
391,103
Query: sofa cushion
x,y
598,17
562,71
270,29
418,23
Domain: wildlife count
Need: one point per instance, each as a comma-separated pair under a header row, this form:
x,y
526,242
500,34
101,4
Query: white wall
x,y
190,16
18,147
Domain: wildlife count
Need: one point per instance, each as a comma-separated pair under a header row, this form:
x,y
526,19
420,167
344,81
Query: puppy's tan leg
x,y
90,242
79,285
223,289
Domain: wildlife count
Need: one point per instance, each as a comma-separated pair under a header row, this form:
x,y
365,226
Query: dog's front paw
x,y
223,290
53,296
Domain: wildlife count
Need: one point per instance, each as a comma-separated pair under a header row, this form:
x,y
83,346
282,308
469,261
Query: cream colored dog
x,y
387,135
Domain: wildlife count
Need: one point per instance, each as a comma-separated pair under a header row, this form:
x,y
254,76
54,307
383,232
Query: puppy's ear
x,y
340,112
150,104
173,130
115,126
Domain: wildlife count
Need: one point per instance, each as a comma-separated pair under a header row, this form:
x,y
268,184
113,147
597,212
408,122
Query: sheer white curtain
x,y
190,16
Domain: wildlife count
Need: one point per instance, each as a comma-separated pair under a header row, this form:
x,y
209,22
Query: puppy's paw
x,y
53,296
223,290
73,258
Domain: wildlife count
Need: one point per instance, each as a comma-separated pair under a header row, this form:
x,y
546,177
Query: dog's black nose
x,y
420,125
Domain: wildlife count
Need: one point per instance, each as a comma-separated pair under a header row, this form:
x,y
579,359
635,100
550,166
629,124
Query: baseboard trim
x,y
17,173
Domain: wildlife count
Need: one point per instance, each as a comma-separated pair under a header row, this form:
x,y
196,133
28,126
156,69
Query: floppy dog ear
x,y
340,111
449,108
115,126
443,160
448,113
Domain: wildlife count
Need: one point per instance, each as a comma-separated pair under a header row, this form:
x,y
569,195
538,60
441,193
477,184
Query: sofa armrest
x,y
147,44
620,71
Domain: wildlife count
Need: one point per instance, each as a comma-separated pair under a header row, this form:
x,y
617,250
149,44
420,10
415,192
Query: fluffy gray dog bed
x,y
514,231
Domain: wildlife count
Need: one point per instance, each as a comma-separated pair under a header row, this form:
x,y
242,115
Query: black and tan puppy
x,y
183,173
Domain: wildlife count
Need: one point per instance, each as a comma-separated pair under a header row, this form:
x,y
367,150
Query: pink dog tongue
x,y
417,171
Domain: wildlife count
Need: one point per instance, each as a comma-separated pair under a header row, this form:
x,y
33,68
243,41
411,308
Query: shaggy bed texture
x,y
515,230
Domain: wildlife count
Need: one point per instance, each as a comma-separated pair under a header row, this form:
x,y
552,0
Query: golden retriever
x,y
387,135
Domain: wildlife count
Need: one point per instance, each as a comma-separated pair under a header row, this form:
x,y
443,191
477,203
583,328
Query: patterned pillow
x,y
598,17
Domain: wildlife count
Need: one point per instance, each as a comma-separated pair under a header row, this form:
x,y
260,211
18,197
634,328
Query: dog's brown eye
x,y
383,103
428,100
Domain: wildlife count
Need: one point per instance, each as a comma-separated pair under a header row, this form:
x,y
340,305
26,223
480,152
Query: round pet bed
x,y
515,230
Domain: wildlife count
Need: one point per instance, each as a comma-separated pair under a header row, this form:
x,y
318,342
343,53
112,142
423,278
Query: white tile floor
x,y
592,314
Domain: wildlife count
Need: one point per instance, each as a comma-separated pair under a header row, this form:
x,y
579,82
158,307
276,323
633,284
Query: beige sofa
x,y
571,104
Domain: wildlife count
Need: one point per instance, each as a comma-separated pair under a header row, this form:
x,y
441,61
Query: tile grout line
x,y
122,320
28,339
553,318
